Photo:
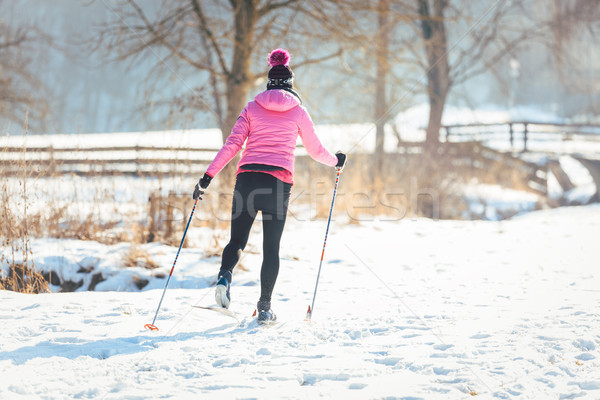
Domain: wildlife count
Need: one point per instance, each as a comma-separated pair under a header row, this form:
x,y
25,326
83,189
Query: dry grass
x,y
24,278
410,185
14,233
216,245
214,248
138,257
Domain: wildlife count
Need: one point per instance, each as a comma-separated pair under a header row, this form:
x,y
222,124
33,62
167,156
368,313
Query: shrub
x,y
24,278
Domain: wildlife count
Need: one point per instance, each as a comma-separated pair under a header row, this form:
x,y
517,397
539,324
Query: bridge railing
x,y
523,132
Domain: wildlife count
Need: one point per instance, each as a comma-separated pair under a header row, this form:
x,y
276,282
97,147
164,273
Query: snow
x,y
411,309
494,202
189,138
584,189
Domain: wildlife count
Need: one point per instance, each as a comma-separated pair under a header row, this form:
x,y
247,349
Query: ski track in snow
x,y
415,309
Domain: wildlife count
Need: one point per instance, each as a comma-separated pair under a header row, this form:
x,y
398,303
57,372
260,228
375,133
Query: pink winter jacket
x,y
270,126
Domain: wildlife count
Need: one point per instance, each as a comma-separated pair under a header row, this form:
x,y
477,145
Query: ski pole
x,y
151,326
312,306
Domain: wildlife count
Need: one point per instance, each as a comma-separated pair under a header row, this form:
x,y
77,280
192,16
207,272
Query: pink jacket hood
x,y
277,100
269,127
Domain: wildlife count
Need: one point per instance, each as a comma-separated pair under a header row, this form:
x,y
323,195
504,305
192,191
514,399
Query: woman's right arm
x,y
311,142
232,145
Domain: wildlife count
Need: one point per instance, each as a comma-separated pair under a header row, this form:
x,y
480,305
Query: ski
x,y
220,310
237,316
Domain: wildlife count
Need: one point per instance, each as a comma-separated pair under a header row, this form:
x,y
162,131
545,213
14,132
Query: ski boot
x,y
265,314
222,293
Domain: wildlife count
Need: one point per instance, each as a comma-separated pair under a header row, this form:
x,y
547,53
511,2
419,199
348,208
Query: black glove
x,y
197,193
341,160
205,181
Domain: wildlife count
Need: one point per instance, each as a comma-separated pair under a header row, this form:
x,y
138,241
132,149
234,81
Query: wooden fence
x,y
522,132
164,161
132,160
469,146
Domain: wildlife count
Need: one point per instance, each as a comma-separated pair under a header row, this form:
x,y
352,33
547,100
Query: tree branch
x,y
206,32
273,5
13,43
161,37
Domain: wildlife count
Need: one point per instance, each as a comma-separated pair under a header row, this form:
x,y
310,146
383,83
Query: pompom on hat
x,y
279,57
280,74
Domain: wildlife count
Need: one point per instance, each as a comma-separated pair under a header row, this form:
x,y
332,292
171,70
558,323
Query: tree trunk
x,y
436,110
438,68
238,81
382,50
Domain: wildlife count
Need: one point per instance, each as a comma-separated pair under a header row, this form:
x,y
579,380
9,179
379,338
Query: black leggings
x,y
257,191
240,230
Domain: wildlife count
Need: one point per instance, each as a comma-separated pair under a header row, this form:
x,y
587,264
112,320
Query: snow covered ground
x,y
411,309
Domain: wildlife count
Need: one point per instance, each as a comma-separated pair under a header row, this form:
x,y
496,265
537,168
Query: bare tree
x,y
483,34
216,50
220,41
435,41
424,47
21,92
381,77
570,18
573,29
373,50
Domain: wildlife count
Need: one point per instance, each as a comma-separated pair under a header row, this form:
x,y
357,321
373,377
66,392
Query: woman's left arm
x,y
232,145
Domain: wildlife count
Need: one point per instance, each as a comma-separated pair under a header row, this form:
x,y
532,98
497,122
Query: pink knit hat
x,y
280,74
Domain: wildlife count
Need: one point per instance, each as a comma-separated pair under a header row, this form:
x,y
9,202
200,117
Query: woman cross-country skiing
x,y
269,126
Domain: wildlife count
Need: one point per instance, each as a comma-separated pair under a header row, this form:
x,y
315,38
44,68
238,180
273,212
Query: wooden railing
x,y
136,160
523,131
